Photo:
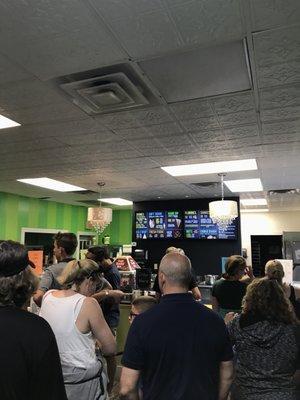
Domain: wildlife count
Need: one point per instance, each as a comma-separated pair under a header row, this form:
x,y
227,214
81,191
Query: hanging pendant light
x,y
99,217
223,212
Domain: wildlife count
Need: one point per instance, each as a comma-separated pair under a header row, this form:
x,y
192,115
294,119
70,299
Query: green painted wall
x,y
18,212
120,230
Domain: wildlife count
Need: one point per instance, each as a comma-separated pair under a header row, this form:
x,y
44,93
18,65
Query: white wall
x,y
270,223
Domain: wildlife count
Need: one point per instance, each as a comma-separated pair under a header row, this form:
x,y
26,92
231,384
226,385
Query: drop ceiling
x,y
225,75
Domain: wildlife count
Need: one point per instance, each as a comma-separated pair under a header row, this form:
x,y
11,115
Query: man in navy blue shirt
x,y
179,349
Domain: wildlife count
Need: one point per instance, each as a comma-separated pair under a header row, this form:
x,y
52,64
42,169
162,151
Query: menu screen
x,y
198,225
159,225
141,225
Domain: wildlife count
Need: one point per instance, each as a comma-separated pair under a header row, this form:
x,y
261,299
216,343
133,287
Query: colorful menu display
x,y
158,225
198,225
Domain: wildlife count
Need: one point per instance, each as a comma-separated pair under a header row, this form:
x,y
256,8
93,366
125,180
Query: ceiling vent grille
x,y
280,192
114,88
205,185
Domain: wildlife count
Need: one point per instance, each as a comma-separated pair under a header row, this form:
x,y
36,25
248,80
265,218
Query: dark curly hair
x,y
16,290
266,299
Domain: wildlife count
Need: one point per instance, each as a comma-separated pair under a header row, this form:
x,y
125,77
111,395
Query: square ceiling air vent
x,y
115,88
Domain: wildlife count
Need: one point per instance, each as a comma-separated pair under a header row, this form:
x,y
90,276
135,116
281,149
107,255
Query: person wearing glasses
x,y
76,319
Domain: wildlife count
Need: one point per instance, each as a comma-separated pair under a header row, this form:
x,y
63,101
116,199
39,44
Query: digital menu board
x,y
159,225
141,225
198,225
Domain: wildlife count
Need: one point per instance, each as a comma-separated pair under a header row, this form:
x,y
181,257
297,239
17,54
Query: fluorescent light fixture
x,y
212,168
244,185
7,123
254,202
255,210
117,201
52,184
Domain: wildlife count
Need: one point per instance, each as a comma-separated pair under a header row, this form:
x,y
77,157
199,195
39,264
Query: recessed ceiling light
x,y
7,123
117,201
255,210
254,202
52,184
244,185
212,168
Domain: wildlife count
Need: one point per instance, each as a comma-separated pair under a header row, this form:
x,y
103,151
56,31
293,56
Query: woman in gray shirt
x,y
266,337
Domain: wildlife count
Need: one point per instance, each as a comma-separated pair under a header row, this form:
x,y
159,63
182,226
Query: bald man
x,y
180,349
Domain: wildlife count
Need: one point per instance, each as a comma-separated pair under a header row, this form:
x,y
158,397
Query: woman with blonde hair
x,y
274,270
77,320
267,343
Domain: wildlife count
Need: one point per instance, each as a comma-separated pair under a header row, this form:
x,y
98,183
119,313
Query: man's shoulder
x,y
56,267
29,321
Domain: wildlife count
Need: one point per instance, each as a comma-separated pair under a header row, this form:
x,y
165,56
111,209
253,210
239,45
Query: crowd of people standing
x,y
247,347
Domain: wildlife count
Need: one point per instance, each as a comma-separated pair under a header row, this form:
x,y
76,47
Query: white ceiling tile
x,y
170,128
239,118
184,76
268,14
146,34
280,97
135,119
286,113
241,132
192,109
10,71
279,74
63,54
281,138
281,127
277,46
27,93
210,136
208,22
45,113
116,9
174,140
201,124
234,103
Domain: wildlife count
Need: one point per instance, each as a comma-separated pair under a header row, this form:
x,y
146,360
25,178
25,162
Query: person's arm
x,y
129,384
117,295
215,304
249,275
196,293
44,286
38,297
226,378
99,327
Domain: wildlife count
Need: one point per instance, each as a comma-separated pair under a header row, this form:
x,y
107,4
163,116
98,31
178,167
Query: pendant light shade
x,y
99,217
223,212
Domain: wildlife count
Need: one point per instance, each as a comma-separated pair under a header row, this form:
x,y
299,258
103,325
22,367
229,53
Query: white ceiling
x,y
188,50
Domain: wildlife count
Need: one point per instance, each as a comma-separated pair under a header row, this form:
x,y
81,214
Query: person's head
x,y
174,273
100,255
171,249
274,270
266,298
140,305
17,281
82,275
235,267
64,245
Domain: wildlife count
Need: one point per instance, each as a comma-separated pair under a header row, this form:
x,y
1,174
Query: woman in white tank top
x,y
76,321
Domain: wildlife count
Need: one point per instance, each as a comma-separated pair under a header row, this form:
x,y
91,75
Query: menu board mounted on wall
x,y
198,225
159,225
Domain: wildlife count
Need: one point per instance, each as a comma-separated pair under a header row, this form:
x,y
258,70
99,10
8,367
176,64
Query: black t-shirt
x,y
178,346
156,287
229,293
30,366
111,311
